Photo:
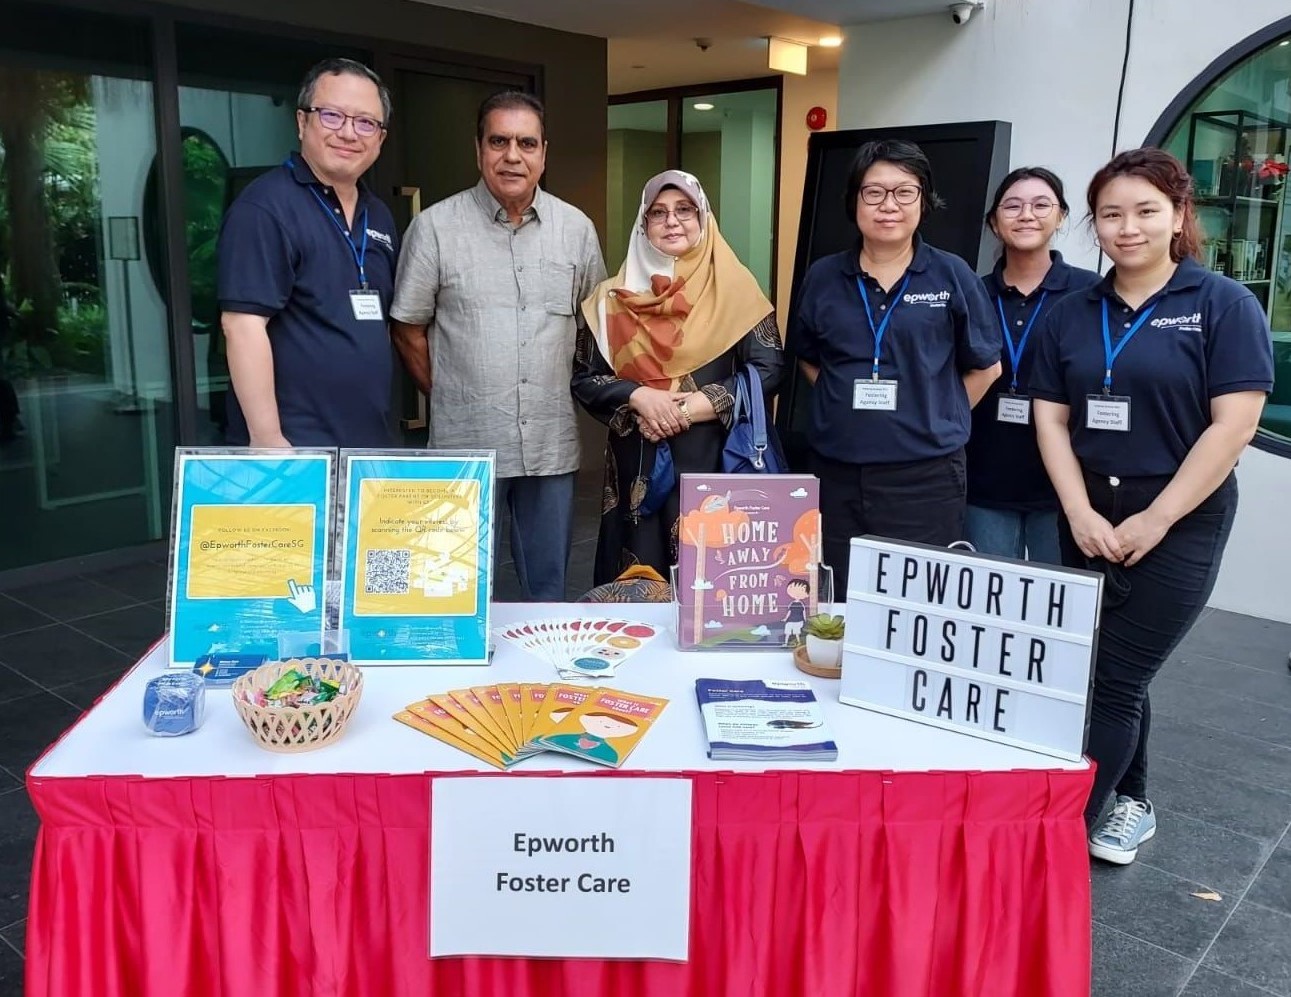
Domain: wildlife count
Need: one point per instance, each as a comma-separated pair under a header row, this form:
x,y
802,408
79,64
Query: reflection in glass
x,y
84,366
1236,142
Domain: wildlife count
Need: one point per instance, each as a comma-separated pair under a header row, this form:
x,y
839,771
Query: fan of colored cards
x,y
583,648
502,724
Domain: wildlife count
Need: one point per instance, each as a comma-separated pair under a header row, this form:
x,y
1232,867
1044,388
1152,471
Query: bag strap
x,y
757,413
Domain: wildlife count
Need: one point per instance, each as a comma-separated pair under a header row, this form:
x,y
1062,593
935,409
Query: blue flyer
x,y
418,547
250,548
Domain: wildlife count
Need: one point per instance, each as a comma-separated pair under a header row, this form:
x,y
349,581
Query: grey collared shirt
x,y
501,302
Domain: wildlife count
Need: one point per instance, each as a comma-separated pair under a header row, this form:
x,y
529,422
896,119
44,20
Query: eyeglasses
x,y
875,194
334,121
682,212
1041,207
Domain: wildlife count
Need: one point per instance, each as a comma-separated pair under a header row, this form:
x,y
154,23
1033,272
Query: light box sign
x,y
987,646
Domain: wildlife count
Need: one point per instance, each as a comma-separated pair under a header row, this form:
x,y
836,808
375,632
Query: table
x,y
922,862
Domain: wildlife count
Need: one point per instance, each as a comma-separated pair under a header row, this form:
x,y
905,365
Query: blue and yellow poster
x,y
417,564
249,559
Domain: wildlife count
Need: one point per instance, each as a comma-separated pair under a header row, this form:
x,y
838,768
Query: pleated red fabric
x,y
828,884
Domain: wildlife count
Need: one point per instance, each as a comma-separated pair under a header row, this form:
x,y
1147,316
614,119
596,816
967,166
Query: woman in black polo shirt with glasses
x,y
1147,387
1012,508
899,341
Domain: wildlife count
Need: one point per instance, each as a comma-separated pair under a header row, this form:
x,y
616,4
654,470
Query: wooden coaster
x,y
805,664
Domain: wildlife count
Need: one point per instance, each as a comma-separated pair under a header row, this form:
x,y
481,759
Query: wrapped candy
x,y
296,688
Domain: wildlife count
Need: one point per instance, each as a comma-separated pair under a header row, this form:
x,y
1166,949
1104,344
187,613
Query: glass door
x,y
86,412
728,140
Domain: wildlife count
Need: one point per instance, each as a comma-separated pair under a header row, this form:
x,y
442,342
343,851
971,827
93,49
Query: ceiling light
x,y
703,107
831,41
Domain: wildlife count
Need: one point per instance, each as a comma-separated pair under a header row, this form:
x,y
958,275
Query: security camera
x,y
961,12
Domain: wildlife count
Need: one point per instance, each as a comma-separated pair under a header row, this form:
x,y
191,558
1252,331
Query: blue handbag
x,y
751,445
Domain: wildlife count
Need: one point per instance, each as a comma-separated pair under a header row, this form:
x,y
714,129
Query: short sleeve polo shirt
x,y
941,327
1004,466
284,255
1207,336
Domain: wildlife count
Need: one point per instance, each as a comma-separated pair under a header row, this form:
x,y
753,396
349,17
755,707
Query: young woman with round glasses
x,y
1147,388
1012,507
898,339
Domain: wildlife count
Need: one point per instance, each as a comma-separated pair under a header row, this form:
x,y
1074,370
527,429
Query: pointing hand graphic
x,y
302,596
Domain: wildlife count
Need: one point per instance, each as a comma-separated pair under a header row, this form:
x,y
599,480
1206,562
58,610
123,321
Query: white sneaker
x,y
1118,837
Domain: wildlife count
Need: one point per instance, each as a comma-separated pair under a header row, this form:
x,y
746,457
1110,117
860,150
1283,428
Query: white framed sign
x,y
560,866
987,646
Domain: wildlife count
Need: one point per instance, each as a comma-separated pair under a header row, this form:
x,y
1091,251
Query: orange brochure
x,y
446,702
561,700
605,727
511,703
532,697
495,702
471,742
484,718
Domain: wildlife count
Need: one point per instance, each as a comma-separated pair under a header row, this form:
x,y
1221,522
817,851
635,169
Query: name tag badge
x,y
1109,412
367,306
874,396
1015,409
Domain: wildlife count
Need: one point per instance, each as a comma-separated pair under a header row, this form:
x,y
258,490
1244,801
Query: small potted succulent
x,y
824,639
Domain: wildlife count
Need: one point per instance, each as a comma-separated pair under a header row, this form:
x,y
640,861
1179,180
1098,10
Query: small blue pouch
x,y
174,704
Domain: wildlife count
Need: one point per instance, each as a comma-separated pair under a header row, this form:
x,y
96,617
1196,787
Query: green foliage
x,y
75,347
824,626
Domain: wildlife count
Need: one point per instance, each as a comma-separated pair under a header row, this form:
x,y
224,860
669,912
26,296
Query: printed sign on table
x,y
417,565
249,556
563,867
988,646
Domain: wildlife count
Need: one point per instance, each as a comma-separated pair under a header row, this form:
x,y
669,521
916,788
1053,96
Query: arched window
x,y
1232,128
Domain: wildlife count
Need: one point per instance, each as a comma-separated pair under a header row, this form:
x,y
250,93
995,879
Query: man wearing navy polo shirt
x,y
306,273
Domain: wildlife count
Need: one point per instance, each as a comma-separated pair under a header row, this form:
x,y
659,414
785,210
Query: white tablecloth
x,y
111,739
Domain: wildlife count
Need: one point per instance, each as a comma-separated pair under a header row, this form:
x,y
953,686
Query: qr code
x,y
387,572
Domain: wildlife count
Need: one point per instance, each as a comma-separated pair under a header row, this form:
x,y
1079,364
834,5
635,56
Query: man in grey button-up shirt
x,y
489,283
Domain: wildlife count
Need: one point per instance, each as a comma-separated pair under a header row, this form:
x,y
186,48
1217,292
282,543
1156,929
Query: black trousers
x,y
922,501
1147,610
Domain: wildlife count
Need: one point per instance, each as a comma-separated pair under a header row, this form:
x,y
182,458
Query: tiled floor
x,y
1221,779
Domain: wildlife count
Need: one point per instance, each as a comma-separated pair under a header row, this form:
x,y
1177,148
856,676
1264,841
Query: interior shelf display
x,y
1238,162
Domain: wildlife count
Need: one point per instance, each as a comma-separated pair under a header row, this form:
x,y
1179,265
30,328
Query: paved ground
x,y
1221,779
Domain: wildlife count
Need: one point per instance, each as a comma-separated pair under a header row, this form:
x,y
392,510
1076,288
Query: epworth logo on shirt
x,y
933,299
1184,323
382,238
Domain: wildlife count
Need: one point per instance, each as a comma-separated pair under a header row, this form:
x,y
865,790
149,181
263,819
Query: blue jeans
x,y
1032,536
541,508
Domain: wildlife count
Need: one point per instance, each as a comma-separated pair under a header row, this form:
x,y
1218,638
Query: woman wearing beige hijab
x,y
656,362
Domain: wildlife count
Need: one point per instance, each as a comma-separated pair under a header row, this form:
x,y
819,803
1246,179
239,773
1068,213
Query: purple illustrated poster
x,y
747,550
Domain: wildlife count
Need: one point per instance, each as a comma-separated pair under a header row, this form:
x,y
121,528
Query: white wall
x,y
1052,69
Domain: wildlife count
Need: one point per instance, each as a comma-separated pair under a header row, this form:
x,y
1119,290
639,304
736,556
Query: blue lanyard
x,y
360,253
1015,354
1110,354
882,326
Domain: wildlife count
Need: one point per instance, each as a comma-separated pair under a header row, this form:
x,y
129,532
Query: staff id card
x,y
1015,409
367,306
874,396
1108,412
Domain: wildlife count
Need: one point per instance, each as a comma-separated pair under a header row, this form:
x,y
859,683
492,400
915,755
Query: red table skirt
x,y
804,885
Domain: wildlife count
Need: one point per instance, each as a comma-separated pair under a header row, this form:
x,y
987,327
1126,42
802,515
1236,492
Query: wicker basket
x,y
301,728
